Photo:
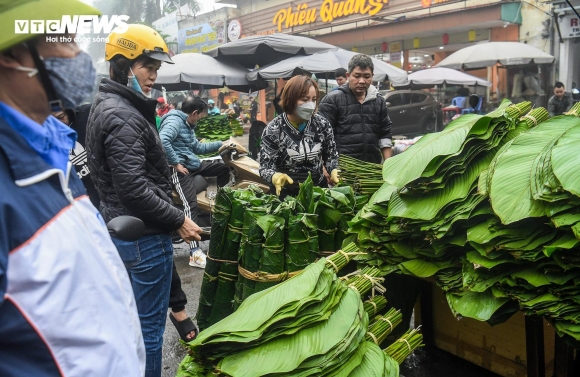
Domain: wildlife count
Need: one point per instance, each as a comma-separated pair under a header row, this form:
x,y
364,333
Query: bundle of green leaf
x,y
362,176
502,232
221,272
214,128
415,223
311,325
272,331
258,241
528,250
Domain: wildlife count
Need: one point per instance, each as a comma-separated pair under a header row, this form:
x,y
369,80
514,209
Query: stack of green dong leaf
x,y
258,241
490,208
213,128
314,324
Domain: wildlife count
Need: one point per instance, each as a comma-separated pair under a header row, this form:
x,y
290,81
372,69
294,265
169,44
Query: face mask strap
x,y
31,71
53,101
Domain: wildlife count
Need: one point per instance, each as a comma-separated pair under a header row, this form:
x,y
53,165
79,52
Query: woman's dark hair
x,y
296,88
124,65
193,103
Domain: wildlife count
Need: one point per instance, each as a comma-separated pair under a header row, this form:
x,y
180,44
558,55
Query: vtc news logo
x,y
72,25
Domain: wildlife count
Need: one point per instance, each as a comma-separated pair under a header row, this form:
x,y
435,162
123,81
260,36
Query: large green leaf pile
x,y
269,239
490,208
314,324
214,128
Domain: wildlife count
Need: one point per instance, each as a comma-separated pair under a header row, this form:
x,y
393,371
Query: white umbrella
x,y
488,54
326,62
440,76
192,70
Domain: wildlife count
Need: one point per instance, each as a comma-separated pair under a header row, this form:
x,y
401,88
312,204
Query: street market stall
x,y
194,71
324,65
522,72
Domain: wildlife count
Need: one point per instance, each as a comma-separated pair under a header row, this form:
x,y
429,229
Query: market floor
x,y
191,277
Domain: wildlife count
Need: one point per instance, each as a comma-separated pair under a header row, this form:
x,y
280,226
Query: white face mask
x,y
31,71
305,110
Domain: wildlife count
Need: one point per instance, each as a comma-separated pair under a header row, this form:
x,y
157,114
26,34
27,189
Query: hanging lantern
x,y
354,49
471,35
384,46
416,43
445,39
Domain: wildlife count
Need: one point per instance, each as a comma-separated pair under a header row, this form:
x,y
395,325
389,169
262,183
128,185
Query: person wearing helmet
x,y
131,173
211,109
66,303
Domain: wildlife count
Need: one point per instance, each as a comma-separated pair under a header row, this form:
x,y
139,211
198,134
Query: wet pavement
x,y
437,363
191,277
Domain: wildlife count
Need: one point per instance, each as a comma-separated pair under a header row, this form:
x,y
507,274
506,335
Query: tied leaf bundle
x,y
221,218
383,325
310,325
258,241
362,176
490,208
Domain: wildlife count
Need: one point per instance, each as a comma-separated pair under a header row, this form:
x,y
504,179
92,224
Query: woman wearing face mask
x,y
298,141
131,174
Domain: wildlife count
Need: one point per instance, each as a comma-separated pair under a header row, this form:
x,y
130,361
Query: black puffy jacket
x,y
127,160
360,130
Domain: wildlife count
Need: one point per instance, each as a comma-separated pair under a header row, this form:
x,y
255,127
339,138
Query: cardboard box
x,y
500,349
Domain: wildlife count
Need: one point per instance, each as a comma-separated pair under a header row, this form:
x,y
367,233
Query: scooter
x,y
244,171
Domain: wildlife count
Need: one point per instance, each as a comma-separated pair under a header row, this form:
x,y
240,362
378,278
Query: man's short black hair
x,y
362,61
559,84
341,72
193,103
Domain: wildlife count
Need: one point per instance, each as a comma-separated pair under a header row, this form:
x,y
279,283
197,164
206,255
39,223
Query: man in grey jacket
x,y
182,148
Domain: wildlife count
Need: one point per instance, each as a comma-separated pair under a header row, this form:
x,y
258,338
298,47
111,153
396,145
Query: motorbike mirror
x,y
126,228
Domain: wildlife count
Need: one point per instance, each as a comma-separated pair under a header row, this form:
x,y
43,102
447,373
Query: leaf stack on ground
x,y
258,241
490,208
313,324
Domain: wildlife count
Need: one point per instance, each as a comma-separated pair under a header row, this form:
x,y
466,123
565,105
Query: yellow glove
x,y
334,176
279,180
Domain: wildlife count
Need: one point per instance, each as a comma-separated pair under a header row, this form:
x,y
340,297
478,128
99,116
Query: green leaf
x,y
510,191
406,167
480,306
565,161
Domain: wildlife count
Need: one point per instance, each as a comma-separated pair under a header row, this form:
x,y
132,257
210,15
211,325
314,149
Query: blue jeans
x,y
149,262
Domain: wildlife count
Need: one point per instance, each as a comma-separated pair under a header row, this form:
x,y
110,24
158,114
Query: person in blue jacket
x,y
211,109
66,303
182,148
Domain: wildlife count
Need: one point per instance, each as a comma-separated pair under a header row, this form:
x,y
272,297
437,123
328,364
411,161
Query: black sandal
x,y
184,327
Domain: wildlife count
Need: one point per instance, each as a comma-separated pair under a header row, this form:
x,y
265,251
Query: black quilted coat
x,y
360,130
127,160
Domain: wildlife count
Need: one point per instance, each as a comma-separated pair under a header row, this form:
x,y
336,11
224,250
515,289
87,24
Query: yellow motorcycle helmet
x,y
135,41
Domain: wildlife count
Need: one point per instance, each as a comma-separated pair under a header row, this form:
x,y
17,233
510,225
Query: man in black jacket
x,y
358,114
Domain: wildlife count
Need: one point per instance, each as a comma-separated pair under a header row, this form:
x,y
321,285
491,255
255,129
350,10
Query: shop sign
x,y
569,26
202,37
234,30
328,12
395,52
